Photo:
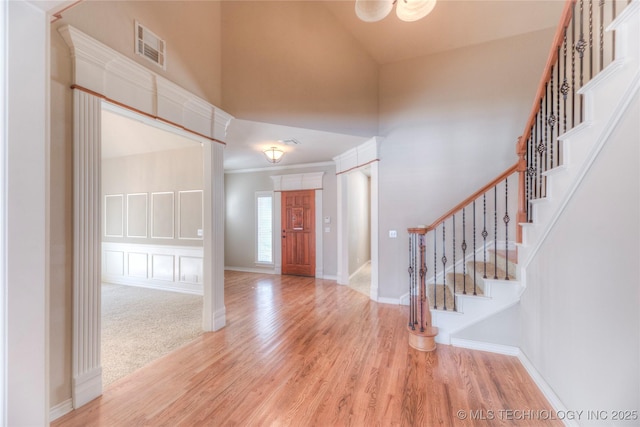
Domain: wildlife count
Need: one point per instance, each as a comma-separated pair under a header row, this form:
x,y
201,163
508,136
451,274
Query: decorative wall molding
x,y
169,268
108,73
362,155
298,181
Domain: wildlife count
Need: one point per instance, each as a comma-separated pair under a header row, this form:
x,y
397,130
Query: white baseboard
x,y
486,346
60,409
546,389
87,387
251,270
385,300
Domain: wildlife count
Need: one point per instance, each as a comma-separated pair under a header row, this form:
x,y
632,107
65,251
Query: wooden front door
x,y
298,233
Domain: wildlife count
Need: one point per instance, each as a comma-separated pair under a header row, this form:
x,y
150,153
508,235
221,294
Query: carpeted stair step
x,y
441,292
492,271
464,282
502,259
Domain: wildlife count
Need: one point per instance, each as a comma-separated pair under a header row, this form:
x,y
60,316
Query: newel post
x,y
521,150
422,333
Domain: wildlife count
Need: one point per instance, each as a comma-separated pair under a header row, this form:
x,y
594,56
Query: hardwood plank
x,y
303,351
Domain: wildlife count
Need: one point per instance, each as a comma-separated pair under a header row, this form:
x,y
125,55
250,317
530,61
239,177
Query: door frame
x,y
292,182
104,75
364,155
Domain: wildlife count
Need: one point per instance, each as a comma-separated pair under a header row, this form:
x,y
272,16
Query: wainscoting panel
x,y
171,268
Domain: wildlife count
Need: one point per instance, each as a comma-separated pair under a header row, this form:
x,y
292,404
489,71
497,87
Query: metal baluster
x,y
613,33
506,222
565,84
423,278
464,253
474,248
453,249
444,268
590,39
412,301
581,45
557,115
484,233
546,134
435,268
573,66
495,227
601,34
540,151
551,121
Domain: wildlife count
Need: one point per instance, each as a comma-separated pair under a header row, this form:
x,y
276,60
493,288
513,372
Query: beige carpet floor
x,y
140,325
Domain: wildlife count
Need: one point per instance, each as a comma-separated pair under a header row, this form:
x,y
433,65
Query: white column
x,y
343,232
214,313
87,370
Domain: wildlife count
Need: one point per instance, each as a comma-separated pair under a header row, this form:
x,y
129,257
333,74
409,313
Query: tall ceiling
x,y
452,24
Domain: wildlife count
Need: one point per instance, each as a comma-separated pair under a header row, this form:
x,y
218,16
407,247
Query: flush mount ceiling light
x,y
273,154
406,10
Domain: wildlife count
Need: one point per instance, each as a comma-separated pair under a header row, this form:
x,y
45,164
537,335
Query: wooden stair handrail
x,y
474,196
565,18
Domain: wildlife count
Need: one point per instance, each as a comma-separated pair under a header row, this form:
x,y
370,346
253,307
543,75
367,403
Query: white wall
x,y
451,122
26,216
580,317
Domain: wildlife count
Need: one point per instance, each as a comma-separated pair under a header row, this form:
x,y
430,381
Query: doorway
x,y
152,262
298,233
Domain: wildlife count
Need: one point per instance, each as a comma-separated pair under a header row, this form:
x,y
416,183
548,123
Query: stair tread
x,y
492,271
439,302
511,256
460,281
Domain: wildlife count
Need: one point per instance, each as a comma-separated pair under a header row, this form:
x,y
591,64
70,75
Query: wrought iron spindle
x,y
453,249
474,248
601,34
495,228
423,276
581,45
590,39
435,269
444,268
412,302
551,121
506,220
464,255
484,233
541,149
573,66
557,114
613,34
564,89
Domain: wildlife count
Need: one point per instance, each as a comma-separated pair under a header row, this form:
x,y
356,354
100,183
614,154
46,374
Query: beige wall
x,y
291,63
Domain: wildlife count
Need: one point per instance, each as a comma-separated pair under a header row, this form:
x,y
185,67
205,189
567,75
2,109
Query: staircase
x,y
474,283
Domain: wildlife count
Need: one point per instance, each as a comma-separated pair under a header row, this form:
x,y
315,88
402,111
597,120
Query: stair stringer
x,y
473,309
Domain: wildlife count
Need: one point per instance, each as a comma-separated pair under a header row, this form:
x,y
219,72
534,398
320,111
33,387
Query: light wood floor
x,y
299,351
